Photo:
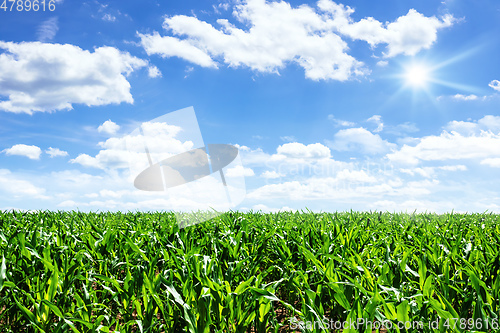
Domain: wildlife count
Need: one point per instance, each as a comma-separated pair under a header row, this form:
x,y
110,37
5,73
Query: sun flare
x,y
417,76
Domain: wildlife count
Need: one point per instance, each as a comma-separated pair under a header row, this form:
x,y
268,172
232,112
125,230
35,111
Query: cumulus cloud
x,y
359,139
242,147
48,77
128,151
495,84
239,171
275,34
460,140
407,35
55,152
449,146
487,123
300,151
32,152
109,127
462,127
154,72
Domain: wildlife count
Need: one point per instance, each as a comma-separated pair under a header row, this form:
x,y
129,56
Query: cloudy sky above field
x,y
367,105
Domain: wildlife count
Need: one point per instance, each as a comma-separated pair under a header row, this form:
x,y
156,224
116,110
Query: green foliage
x,y
245,272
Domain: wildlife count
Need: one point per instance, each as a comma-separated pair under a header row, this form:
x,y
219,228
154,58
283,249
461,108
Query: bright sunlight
x,y
417,75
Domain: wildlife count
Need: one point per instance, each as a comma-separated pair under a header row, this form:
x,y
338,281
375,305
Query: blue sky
x,y
387,105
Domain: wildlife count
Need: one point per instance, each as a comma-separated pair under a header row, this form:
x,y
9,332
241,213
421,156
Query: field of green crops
x,y
248,272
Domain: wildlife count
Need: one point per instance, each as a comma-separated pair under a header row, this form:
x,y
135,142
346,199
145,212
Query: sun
x,y
417,75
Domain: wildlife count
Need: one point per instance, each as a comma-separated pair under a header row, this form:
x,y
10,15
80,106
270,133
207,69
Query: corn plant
x,y
247,272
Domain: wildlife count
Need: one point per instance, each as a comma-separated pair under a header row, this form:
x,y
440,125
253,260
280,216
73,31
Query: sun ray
x,y
458,86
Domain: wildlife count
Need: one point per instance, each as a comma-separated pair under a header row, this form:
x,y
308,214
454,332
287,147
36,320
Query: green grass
x,y
246,272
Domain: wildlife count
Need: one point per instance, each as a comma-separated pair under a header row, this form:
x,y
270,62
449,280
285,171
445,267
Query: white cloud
x,y
266,209
70,204
55,152
340,123
301,151
89,161
47,30
355,176
47,77
254,157
401,129
458,167
288,138
359,139
127,151
278,34
271,174
462,127
240,147
67,179
108,127
382,63
495,84
429,172
172,47
490,123
32,152
109,18
461,97
118,194
113,194
346,185
377,120
11,184
449,146
296,161
239,171
487,123
410,206
407,35
492,162
188,71
426,172
154,72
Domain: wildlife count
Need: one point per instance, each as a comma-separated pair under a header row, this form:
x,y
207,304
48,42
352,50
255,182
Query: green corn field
x,y
249,272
